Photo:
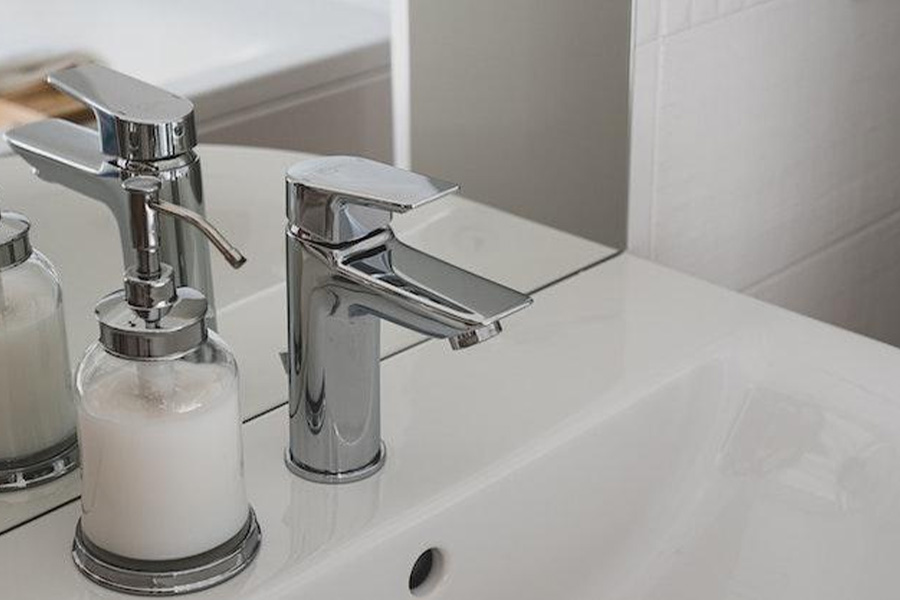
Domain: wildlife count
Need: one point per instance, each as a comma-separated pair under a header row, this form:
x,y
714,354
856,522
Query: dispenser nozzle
x,y
226,248
143,193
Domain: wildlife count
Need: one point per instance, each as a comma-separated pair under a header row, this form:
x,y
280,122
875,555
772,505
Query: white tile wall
x,y
766,151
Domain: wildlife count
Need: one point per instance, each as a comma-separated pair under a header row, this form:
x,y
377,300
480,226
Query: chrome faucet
x,y
345,272
141,130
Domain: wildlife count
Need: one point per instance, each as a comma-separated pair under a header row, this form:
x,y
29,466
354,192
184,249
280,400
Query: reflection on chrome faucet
x,y
141,130
345,273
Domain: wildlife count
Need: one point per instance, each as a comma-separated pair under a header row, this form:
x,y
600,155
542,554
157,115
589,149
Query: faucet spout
x,y
57,148
467,339
68,154
418,291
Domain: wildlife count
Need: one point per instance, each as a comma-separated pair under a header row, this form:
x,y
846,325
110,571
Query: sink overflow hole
x,y
426,572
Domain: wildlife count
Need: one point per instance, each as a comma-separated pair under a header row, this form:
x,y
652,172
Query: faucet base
x,y
168,577
310,474
39,468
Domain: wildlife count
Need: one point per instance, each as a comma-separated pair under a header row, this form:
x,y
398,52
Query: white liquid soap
x,y
161,458
37,410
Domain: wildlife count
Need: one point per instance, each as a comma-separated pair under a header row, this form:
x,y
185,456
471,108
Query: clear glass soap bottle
x,y
37,414
162,477
164,507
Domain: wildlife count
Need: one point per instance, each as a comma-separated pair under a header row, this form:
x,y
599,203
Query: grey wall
x,y
348,118
525,103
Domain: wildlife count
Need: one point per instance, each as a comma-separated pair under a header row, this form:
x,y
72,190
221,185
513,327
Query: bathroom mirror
x,y
569,171
525,103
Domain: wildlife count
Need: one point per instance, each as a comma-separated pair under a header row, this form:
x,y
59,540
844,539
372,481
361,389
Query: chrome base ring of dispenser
x,y
168,577
39,468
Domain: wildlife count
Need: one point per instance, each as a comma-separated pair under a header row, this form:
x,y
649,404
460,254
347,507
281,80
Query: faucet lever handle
x,y
137,121
339,199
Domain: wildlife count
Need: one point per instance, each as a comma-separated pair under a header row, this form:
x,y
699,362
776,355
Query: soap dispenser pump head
x,y
151,318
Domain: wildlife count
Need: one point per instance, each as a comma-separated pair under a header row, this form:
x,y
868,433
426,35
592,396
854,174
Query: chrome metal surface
x,y
39,468
169,577
337,199
339,293
226,248
141,130
180,328
143,192
137,121
311,474
151,318
146,294
15,246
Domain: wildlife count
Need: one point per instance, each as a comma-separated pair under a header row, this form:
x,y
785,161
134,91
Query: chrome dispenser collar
x,y
150,318
125,334
15,247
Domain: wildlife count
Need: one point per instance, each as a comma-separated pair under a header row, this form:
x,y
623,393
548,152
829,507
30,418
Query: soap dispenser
x,y
165,510
37,413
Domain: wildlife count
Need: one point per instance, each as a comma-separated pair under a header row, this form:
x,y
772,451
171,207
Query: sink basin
x,y
635,434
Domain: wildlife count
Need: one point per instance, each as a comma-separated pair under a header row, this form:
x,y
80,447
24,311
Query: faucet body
x,y
346,271
141,131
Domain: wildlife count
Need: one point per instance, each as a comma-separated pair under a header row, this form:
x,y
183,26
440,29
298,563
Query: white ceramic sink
x,y
634,434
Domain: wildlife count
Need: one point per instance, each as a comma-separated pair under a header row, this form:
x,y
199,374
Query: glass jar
x,y
162,471
37,414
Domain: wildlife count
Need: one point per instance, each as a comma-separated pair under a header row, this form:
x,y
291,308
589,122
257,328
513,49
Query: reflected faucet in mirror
x,y
141,130
346,271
